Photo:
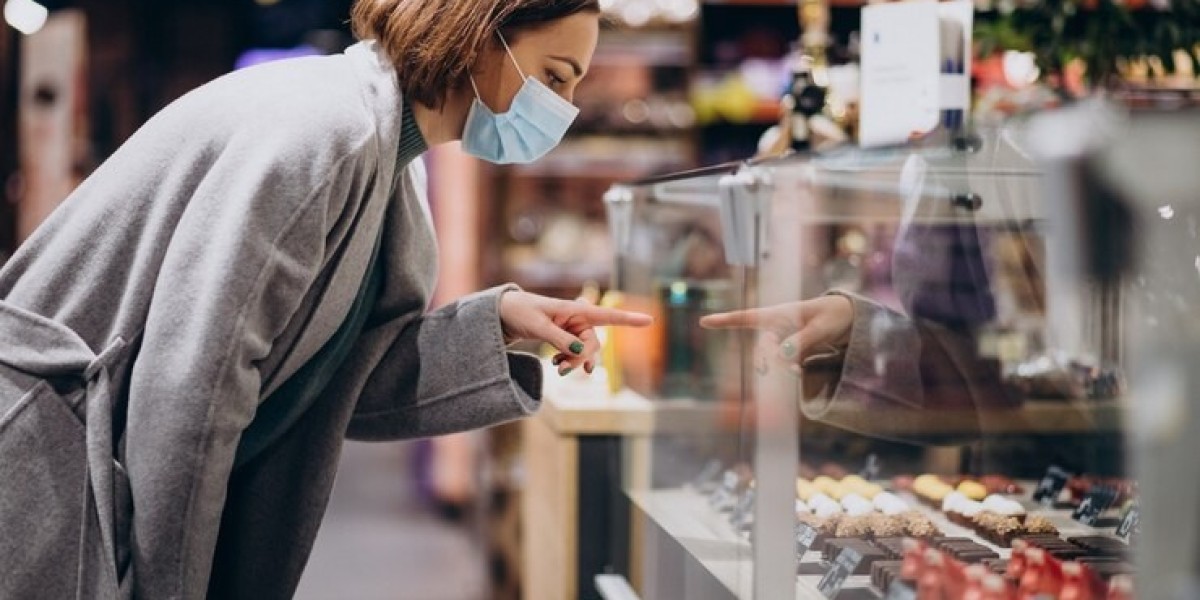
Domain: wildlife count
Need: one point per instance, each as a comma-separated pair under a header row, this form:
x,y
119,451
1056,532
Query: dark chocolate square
x,y
894,547
834,546
879,571
1104,546
870,555
975,556
996,565
1065,554
1107,570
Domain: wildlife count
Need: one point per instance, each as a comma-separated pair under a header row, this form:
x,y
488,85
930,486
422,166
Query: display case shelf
x,y
714,544
704,534
1034,417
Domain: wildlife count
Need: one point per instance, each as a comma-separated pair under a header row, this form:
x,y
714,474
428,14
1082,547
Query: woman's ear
x,y
485,59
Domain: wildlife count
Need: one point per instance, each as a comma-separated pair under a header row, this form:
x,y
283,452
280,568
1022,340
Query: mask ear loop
x,y
471,78
510,54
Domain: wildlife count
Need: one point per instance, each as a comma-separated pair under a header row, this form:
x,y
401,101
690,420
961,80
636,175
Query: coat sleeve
x,y
907,369
247,248
445,372
880,365
419,374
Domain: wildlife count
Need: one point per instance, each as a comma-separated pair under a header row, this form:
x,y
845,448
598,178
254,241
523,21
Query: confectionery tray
x,y
725,550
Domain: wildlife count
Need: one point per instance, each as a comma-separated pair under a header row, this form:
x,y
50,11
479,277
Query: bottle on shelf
x,y
807,94
929,586
810,78
805,99
814,19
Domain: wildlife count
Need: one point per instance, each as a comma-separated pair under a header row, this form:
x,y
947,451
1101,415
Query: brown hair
x,y
434,43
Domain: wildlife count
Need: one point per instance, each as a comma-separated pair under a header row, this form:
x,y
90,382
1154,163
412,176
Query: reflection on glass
x,y
890,355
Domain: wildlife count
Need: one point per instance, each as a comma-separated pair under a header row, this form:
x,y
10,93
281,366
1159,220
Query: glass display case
x,y
1126,211
893,373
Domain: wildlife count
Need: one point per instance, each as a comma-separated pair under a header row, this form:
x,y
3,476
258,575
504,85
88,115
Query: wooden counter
x,y
580,451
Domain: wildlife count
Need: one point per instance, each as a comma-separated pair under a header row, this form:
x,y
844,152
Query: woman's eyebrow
x,y
570,61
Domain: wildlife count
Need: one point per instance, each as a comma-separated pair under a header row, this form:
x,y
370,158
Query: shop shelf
x,y
1034,417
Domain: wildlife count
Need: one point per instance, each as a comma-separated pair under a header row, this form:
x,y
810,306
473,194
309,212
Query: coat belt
x,y
43,348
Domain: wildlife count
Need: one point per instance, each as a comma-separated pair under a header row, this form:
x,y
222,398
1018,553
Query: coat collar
x,y
402,190
381,94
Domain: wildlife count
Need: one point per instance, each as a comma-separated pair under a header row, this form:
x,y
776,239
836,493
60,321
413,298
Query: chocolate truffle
x,y
1035,525
853,527
1000,531
883,526
919,526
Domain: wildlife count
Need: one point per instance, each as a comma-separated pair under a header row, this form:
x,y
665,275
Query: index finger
x,y
596,315
738,319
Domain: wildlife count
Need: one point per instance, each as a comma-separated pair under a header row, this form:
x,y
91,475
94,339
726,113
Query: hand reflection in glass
x,y
794,332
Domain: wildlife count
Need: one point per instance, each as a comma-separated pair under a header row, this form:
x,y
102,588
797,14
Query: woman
x,y
186,341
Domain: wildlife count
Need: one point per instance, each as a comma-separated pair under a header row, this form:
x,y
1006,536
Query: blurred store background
x,y
676,84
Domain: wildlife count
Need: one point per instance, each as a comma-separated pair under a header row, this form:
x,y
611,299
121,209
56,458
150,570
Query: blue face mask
x,y
533,125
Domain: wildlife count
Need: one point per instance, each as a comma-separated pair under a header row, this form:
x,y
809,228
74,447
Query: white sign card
x,y
901,84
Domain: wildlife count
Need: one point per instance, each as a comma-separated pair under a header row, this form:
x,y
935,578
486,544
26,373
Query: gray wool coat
x,y
195,271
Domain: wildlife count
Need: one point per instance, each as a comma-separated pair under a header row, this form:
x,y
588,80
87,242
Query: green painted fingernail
x,y
566,372
788,349
577,347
